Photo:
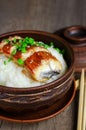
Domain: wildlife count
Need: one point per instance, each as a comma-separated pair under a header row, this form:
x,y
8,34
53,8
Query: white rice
x,y
11,74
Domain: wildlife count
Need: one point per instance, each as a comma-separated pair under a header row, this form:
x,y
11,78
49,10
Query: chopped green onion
x,y
24,45
13,44
46,46
14,40
57,49
5,62
23,50
9,59
20,41
41,44
26,39
38,44
14,52
17,46
20,61
52,44
7,41
60,51
31,41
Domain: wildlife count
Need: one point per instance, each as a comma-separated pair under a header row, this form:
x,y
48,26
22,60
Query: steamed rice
x,y
11,74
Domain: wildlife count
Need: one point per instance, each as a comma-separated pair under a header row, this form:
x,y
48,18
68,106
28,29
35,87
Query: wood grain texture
x,y
49,15
45,15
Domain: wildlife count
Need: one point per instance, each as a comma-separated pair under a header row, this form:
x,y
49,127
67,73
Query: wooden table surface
x,y
45,15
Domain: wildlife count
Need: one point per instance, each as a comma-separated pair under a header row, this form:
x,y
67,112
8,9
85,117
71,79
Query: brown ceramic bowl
x,y
77,34
76,37
17,100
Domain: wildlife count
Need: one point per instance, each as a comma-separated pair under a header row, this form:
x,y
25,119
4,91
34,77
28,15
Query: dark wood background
x,y
45,15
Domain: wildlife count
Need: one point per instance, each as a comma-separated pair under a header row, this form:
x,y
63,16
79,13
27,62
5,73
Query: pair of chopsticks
x,y
81,123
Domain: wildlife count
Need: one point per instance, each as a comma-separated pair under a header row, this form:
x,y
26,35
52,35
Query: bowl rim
x,y
47,85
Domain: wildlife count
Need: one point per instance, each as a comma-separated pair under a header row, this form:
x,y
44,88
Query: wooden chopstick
x,y
81,102
84,109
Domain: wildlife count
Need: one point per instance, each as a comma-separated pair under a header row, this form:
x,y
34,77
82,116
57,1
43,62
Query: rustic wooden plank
x,y
1,122
44,15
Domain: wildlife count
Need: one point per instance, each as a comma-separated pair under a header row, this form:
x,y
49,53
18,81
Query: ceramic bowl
x,y
76,37
77,34
17,100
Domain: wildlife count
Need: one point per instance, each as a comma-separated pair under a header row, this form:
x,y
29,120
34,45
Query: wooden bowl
x,y
17,100
77,34
76,37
